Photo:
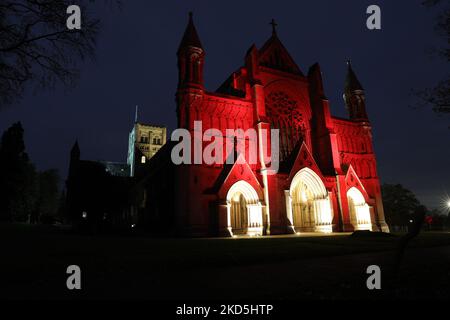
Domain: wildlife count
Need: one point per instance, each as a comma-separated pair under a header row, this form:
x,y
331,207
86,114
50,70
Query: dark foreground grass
x,y
35,258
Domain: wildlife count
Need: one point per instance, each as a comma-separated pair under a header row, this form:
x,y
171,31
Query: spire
x,y
75,151
136,114
351,82
191,58
74,160
190,37
354,96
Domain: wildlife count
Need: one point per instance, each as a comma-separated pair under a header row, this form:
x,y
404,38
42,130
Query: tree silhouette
x,y
47,201
37,48
438,97
399,204
17,177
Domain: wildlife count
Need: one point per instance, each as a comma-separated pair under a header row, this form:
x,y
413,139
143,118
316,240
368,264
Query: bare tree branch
x,y
37,49
438,97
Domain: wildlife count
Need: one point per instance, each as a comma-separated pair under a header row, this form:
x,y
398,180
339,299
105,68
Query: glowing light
x,y
445,203
84,215
360,209
304,196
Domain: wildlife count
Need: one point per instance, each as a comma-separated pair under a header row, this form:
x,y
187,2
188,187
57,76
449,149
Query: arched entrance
x,y
307,203
359,210
244,210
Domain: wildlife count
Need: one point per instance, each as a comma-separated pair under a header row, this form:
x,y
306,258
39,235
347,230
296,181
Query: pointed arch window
x,y
284,115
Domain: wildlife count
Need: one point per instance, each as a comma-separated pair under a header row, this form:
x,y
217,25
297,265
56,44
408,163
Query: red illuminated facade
x,y
327,180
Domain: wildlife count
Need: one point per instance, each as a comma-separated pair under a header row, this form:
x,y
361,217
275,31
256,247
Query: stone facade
x,y
327,180
143,143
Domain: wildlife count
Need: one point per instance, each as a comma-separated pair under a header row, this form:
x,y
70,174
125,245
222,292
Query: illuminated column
x,y
358,214
230,231
324,216
264,174
317,213
362,213
366,214
251,216
289,214
255,223
328,212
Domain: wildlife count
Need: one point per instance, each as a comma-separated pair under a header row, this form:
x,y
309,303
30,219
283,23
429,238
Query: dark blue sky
x,y
136,64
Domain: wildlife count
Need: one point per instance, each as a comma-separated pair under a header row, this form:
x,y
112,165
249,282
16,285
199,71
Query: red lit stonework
x,y
327,181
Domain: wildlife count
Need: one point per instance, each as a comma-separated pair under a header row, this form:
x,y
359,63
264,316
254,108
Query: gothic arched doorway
x,y
307,203
244,210
358,210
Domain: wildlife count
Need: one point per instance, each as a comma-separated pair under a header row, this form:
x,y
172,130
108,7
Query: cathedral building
x,y
327,180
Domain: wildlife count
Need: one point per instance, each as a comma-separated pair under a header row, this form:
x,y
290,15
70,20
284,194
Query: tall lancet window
x,y
194,68
284,115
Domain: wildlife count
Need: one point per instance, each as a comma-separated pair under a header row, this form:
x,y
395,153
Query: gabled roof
x,y
352,180
190,37
232,173
304,159
274,55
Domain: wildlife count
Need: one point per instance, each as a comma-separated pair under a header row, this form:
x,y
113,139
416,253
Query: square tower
x,y
143,143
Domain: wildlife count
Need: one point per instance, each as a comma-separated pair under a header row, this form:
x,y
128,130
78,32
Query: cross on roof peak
x,y
274,26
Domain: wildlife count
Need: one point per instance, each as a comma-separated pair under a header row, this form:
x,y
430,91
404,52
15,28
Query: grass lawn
x,y
35,258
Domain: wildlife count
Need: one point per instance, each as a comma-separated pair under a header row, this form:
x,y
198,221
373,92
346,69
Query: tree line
x,y
26,194
400,205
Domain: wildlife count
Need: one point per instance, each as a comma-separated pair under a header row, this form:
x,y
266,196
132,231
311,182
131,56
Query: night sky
x,y
136,65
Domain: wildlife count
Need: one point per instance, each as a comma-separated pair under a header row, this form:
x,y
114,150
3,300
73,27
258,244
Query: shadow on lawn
x,y
413,232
